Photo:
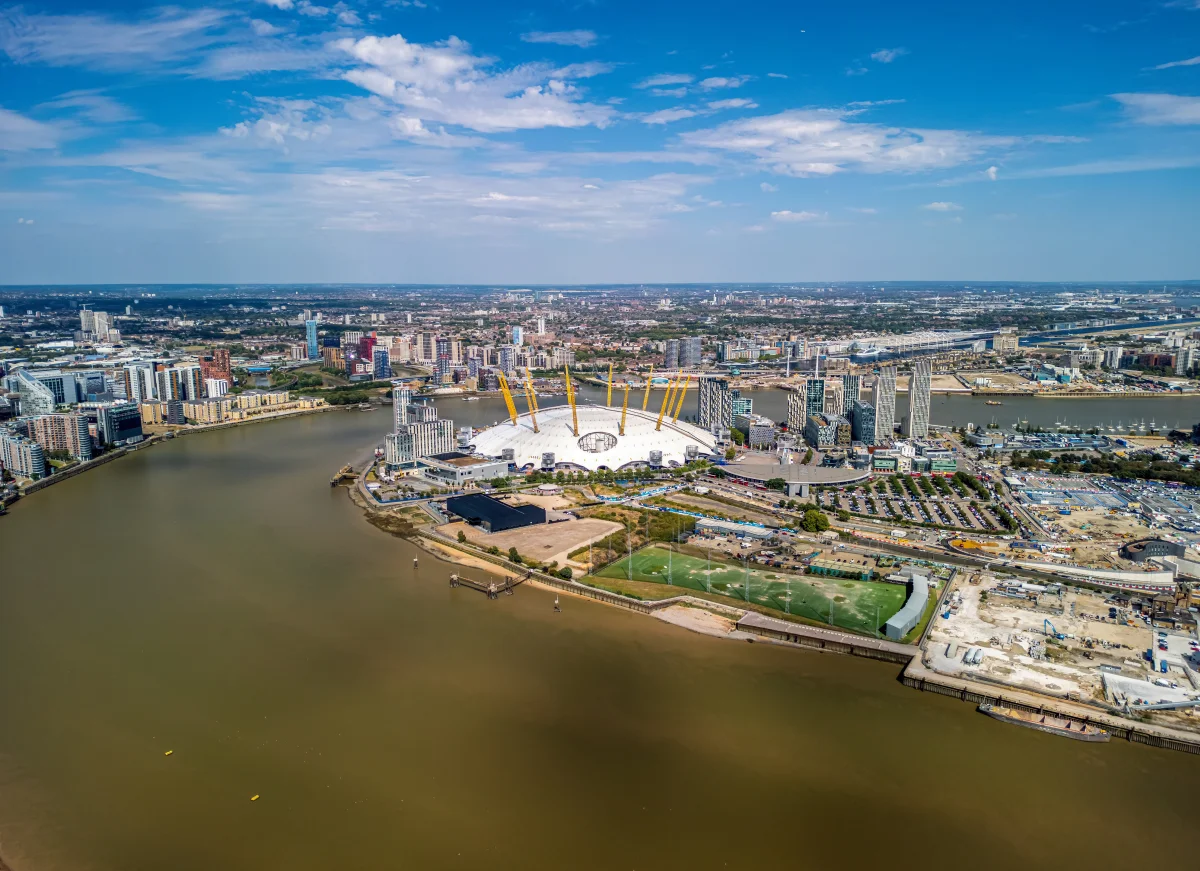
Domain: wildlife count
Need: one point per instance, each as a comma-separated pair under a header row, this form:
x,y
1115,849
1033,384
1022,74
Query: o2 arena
x,y
594,437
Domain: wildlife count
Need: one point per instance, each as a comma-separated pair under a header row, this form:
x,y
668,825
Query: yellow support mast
x,y
530,400
682,394
571,401
508,399
646,395
532,392
624,407
665,404
608,401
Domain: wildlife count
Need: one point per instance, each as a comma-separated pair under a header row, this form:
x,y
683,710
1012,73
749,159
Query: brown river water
x,y
214,596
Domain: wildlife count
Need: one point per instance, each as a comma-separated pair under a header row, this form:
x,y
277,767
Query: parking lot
x,y
945,502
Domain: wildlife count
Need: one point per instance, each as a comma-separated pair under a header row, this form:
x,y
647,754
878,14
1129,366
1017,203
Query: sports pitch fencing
x,y
861,606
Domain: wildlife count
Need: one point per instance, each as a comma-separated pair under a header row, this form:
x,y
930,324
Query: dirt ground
x,y
555,503
1102,525
716,507
1018,652
696,619
548,542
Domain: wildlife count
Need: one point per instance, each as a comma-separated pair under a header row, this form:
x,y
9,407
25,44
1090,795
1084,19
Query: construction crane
x,y
624,408
608,401
646,395
508,399
571,401
666,402
682,393
531,400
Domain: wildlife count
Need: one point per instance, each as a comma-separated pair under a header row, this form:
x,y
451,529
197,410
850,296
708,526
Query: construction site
x,y
1066,642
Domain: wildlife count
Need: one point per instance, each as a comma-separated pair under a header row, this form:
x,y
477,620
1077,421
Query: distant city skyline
x,y
282,141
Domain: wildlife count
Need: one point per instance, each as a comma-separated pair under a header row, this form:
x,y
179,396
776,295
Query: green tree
x,y
730,453
513,556
777,484
565,573
462,537
814,521
843,514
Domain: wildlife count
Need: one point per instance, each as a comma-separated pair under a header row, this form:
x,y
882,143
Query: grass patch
x,y
859,606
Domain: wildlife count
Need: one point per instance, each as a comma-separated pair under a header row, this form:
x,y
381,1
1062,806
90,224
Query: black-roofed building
x,y
492,515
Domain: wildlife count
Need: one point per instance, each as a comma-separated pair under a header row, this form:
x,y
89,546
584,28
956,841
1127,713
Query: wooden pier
x,y
491,589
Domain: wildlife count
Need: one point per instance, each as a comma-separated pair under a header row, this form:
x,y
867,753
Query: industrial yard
x,y
1061,641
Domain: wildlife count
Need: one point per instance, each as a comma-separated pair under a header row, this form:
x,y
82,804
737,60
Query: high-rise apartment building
x,y
671,355
140,385
118,423
21,456
851,387
814,398
885,404
916,422
401,397
36,396
310,335
862,422
715,408
413,441
690,352
382,362
62,432
834,399
103,327
541,326
518,336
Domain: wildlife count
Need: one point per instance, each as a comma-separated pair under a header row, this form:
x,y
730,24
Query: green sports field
x,y
861,606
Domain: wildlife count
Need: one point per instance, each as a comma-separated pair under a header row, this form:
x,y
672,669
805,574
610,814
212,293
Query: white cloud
x,y
18,133
578,38
768,188
665,79
346,15
92,105
776,75
445,82
24,220
101,42
714,82
264,28
864,211
820,142
796,217
992,172
735,103
1190,62
666,116
943,207
887,55
1160,109
279,4
312,10
857,71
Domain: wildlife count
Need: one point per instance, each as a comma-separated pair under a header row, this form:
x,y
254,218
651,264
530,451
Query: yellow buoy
x,y
254,798
168,753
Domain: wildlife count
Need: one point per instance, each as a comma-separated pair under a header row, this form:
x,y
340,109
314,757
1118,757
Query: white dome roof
x,y
598,444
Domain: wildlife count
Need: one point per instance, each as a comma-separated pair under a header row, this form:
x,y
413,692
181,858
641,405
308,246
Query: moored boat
x,y
1044,722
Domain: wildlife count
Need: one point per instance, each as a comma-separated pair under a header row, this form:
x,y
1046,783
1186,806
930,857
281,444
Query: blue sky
x,y
604,141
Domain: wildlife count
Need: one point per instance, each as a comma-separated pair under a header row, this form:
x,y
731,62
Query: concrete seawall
x,y
919,677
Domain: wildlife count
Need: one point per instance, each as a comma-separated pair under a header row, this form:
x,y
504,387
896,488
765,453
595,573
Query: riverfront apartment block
x,y
62,433
21,456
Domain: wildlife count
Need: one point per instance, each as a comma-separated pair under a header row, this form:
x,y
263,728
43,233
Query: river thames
x,y
213,596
